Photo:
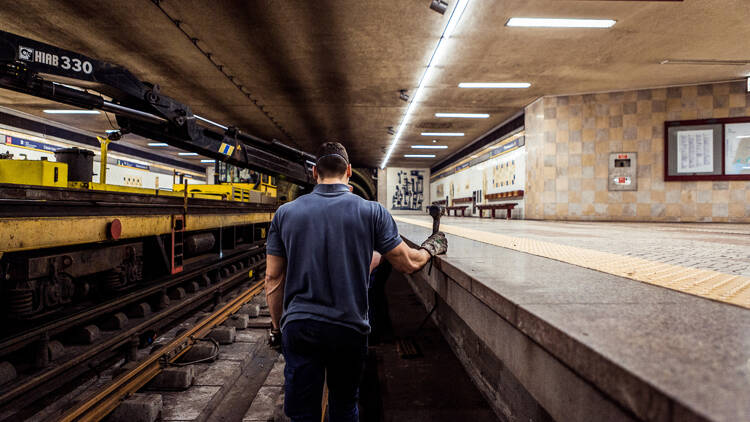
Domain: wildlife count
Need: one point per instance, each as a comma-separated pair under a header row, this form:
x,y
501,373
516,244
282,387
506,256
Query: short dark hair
x,y
332,160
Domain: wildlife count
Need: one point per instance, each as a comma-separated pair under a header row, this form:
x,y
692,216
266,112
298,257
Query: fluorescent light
x,y
494,85
442,134
112,130
743,136
464,115
419,155
208,161
157,144
187,153
455,17
560,23
429,146
71,111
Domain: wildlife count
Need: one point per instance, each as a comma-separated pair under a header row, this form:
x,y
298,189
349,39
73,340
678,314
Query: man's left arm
x,y
275,277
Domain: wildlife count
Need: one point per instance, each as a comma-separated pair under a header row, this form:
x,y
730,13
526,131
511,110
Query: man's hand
x,y
436,244
274,339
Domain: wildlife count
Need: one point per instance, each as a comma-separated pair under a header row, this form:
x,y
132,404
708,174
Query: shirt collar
x,y
331,188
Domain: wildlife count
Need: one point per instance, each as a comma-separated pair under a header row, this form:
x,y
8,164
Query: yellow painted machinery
x,y
32,172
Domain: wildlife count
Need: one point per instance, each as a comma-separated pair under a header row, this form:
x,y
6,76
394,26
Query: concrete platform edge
x,y
514,336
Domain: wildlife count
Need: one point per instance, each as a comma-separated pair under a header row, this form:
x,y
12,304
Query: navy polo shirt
x,y
327,238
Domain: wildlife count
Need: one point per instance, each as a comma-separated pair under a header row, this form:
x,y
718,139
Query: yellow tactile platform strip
x,y
728,288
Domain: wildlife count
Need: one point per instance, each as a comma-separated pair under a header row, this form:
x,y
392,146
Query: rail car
x,y
64,242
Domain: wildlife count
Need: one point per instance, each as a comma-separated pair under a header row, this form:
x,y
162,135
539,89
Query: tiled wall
x,y
569,140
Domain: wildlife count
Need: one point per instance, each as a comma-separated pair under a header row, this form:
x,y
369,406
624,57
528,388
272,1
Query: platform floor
x,y
710,246
707,260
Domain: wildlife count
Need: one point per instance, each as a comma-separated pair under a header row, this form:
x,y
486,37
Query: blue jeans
x,y
312,349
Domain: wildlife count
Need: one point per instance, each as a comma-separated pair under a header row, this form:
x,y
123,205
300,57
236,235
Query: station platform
x,y
595,321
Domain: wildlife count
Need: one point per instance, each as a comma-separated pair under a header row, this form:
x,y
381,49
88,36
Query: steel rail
x,y
122,338
104,402
11,344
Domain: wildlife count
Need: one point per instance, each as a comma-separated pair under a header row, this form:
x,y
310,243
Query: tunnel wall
x,y
569,139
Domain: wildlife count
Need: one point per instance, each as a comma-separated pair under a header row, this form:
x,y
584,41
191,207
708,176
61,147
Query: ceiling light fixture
x,y
442,134
439,6
429,146
494,85
419,155
560,23
208,161
707,62
187,154
464,115
157,144
455,17
71,111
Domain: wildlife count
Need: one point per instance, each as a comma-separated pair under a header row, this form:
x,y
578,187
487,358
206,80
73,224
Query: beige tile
x,y
720,196
614,210
672,210
588,135
657,196
689,91
705,102
643,210
736,210
674,104
704,210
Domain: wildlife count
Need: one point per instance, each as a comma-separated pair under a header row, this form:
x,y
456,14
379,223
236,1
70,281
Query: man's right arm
x,y
407,260
403,258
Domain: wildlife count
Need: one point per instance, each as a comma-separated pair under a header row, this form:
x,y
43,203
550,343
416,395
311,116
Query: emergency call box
x,y
623,170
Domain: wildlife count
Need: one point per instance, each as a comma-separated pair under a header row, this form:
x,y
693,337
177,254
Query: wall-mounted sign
x,y
33,145
737,148
132,165
510,145
695,151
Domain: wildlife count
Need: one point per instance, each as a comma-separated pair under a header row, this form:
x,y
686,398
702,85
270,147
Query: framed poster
x,y
737,148
405,189
709,149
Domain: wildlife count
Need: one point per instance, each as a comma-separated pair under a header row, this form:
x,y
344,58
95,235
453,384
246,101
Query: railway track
x,y
50,356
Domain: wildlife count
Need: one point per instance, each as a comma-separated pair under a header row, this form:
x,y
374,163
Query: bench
x,y
455,210
507,206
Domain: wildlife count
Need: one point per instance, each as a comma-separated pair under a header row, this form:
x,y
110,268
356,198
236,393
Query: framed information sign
x,y
710,149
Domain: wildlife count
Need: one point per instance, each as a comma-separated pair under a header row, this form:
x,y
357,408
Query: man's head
x,y
332,165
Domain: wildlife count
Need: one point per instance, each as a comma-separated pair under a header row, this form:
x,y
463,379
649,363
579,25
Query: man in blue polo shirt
x,y
319,250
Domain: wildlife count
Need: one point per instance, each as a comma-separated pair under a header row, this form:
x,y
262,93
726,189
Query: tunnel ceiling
x,y
321,69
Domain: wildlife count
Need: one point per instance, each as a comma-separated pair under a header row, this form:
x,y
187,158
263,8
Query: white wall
x,y
503,173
